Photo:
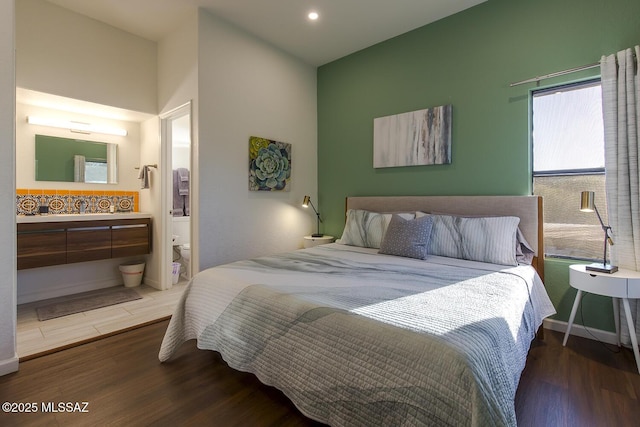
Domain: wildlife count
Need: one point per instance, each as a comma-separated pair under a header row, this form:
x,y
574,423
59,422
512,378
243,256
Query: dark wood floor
x,y
584,384
124,384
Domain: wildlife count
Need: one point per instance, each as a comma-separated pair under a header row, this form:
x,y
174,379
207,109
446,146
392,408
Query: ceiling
x,y
344,26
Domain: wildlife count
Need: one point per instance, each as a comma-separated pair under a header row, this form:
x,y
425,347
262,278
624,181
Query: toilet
x,y
181,244
185,253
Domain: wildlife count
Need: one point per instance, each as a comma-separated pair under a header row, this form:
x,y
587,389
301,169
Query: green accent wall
x,y
467,60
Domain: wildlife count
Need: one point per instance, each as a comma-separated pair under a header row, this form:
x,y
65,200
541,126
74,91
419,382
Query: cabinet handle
x,y
56,230
117,227
87,229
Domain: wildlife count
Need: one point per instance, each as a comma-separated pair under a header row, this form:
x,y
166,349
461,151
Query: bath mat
x,y
71,304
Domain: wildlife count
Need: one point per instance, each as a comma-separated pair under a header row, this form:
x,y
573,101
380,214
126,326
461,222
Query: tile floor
x,y
34,336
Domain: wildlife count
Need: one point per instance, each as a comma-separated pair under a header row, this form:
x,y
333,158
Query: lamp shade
x,y
305,202
587,201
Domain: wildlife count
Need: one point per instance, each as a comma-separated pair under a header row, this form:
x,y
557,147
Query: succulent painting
x,y
269,165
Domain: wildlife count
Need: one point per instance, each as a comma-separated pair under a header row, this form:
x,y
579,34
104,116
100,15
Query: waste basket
x,y
176,272
132,273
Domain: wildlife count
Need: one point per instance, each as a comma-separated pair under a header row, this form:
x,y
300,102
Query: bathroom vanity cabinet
x,y
65,240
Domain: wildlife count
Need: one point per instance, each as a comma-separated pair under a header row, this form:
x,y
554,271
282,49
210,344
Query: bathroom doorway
x,y
177,196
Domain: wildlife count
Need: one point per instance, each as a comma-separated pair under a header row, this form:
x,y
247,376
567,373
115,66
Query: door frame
x,y
166,245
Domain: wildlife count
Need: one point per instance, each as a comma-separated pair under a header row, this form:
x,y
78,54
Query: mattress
x,y
353,337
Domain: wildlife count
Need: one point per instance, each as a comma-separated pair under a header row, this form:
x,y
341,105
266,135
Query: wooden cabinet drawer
x,y
88,244
130,240
41,248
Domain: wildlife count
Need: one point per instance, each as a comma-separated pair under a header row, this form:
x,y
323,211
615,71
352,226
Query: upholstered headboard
x,y
527,208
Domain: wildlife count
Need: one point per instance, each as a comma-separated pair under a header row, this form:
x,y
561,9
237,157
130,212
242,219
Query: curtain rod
x,y
556,74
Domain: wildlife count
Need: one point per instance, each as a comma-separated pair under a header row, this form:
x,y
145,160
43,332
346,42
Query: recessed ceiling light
x,y
313,16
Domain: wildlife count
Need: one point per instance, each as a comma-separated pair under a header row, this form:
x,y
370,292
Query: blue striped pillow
x,y
485,239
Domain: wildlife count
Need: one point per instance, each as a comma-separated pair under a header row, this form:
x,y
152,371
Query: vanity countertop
x,y
80,217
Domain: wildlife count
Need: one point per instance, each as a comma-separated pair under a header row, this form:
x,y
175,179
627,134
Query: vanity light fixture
x,y
76,126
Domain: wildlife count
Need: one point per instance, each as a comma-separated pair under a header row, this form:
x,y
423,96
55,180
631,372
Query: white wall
x,y
177,86
36,284
247,88
178,66
150,198
8,353
128,149
65,53
181,157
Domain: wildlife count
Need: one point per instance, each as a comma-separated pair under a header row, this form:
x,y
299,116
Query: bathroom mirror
x,y
75,160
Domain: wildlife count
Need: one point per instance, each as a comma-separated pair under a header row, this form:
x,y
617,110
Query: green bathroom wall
x,y
467,60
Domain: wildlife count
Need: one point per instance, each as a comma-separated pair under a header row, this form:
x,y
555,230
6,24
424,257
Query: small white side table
x,y
310,241
623,284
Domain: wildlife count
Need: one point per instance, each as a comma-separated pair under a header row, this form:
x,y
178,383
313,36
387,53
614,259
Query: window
x,y
568,157
95,171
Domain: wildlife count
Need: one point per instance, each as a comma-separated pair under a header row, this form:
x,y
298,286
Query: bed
x,y
421,314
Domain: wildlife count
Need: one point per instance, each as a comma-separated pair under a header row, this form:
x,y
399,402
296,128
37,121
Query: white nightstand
x,y
623,284
310,241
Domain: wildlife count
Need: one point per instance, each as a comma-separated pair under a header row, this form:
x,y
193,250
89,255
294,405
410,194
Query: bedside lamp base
x,y
601,268
317,235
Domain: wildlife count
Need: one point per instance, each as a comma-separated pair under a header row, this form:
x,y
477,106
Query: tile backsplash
x,y
28,201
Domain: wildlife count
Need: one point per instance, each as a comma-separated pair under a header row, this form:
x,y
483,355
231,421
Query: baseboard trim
x,y
9,365
581,331
153,283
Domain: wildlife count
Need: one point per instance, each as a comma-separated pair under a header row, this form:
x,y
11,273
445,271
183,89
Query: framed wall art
x,y
420,137
269,165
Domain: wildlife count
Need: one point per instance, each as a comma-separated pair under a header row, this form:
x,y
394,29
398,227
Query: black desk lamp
x,y
588,204
305,203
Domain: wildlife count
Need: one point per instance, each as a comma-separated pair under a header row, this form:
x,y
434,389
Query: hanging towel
x,y
183,173
143,176
78,168
178,200
183,181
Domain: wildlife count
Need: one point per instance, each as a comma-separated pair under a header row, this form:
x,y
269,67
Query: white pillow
x,y
366,229
485,239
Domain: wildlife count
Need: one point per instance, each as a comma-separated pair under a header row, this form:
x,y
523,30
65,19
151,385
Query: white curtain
x,y
621,109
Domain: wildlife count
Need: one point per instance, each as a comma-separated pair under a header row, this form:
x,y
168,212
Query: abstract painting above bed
x,y
415,138
354,337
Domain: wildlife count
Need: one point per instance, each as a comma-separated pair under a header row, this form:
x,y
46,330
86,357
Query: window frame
x,y
589,81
